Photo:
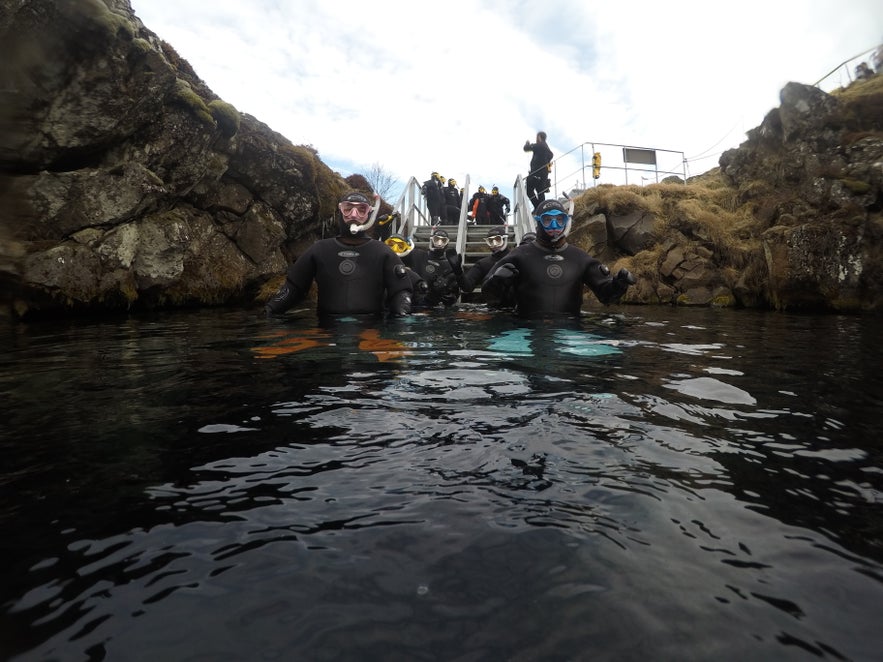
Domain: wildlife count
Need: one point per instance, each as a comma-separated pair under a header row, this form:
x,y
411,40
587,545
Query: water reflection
x,y
664,483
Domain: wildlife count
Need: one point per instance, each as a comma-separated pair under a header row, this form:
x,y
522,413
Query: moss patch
x,y
184,96
856,186
113,25
227,117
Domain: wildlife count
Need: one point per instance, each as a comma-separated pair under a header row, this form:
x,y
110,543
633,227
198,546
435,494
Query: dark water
x,y
651,483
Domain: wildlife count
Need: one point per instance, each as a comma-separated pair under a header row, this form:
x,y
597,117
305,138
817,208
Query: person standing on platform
x,y
537,182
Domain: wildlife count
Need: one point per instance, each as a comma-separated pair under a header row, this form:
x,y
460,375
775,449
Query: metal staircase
x,y
468,239
474,248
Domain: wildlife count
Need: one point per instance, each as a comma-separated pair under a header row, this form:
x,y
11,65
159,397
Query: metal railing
x,y
576,164
413,213
411,209
522,210
460,244
845,70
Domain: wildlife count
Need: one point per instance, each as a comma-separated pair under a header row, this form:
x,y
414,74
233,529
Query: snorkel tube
x,y
569,217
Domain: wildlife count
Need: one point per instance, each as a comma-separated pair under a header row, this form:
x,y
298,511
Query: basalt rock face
x,y
125,182
814,169
792,219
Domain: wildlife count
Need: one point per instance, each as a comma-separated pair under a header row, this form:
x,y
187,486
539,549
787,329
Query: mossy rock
x,y
856,186
185,96
227,117
723,301
112,24
140,47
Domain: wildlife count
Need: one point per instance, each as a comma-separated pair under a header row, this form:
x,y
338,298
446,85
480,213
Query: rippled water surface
x,y
646,483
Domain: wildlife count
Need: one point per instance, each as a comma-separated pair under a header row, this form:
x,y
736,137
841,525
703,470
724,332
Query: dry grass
x,y
862,108
707,213
859,89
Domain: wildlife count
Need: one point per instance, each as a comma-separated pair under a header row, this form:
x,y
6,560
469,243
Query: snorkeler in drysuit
x,y
405,248
354,273
497,239
440,267
546,277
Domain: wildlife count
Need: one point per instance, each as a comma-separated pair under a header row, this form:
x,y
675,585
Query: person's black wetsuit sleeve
x,y
294,289
472,278
398,287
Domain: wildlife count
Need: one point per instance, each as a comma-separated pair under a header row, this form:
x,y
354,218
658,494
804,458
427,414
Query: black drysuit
x,y
351,279
537,182
441,270
549,281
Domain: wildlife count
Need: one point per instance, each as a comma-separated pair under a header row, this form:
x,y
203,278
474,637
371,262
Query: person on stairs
x,y
435,198
478,210
453,202
498,207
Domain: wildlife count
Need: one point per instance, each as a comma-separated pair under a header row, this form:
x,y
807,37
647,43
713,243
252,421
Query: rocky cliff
x,y
126,183
791,219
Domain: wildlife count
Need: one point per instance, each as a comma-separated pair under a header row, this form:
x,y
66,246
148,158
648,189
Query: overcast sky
x,y
458,86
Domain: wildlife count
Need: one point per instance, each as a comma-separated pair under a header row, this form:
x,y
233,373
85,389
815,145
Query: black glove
x,y
400,304
422,288
284,299
619,284
625,277
506,273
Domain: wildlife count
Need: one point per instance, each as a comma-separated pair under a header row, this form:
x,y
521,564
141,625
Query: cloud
x,y
459,87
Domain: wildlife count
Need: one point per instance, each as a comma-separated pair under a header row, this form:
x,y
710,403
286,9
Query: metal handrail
x,y
413,213
522,210
584,165
460,244
845,66
411,209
